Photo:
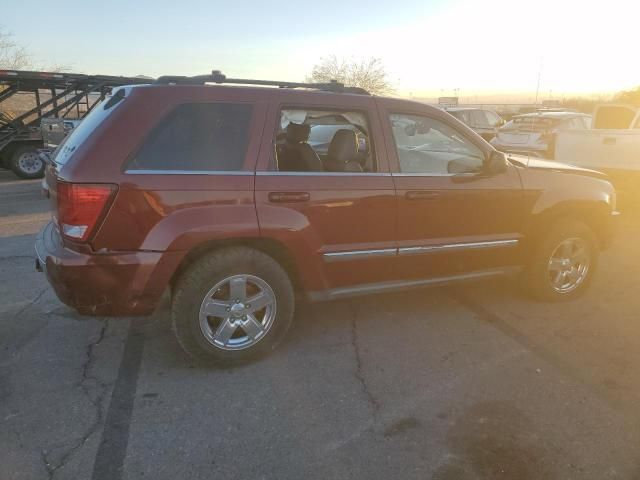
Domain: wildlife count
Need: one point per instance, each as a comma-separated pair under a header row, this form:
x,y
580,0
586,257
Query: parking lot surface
x,y
467,382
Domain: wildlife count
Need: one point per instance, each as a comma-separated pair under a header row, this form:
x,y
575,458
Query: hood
x,y
541,164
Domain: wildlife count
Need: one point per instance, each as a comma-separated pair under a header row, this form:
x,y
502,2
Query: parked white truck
x,y
613,142
612,146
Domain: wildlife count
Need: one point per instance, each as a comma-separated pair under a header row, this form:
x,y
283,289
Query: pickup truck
x,y
612,146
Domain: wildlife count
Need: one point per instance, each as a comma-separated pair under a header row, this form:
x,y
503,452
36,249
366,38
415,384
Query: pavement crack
x,y
371,399
86,384
14,257
32,302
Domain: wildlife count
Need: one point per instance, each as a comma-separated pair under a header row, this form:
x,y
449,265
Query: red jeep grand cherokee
x,y
235,197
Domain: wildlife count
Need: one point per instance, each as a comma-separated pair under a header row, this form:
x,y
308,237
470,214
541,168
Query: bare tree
x,y
12,55
368,73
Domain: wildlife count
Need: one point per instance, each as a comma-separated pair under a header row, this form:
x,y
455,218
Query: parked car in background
x,y
216,195
534,134
484,122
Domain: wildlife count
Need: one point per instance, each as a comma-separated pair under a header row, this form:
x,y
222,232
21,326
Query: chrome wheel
x,y
30,163
237,312
569,265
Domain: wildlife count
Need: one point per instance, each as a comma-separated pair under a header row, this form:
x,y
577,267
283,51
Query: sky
x,y
477,49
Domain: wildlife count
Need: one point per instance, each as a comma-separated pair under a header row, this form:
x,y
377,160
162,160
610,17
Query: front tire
x,y
231,306
26,162
564,263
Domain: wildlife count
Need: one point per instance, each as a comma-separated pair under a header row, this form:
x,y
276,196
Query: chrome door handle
x,y
289,197
421,195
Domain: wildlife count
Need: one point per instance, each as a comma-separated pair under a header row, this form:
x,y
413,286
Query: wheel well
x,y
592,218
273,248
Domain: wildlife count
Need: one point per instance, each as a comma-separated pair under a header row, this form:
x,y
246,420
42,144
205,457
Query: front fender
x,y
552,195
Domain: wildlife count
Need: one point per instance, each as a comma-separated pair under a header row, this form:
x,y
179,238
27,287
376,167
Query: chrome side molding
x,y
359,254
188,172
274,173
330,257
457,246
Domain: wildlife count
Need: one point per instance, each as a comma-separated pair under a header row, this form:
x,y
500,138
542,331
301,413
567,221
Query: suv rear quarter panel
x,y
163,211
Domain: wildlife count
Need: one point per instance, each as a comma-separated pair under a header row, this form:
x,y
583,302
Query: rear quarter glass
x,y
197,137
96,117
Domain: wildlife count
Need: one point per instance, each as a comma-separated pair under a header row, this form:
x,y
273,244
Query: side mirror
x,y
497,163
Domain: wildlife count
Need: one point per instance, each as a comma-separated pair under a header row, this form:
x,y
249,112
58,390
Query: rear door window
x,y
197,137
312,140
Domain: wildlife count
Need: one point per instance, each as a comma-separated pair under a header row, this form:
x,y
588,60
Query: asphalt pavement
x,y
466,382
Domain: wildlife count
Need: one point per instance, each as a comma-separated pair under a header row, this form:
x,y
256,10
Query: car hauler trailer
x,y
55,95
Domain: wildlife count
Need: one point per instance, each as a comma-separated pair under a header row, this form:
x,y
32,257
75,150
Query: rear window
x,y
197,137
534,123
80,133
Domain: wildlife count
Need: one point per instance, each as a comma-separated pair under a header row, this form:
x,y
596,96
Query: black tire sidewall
x,y
537,281
15,156
207,272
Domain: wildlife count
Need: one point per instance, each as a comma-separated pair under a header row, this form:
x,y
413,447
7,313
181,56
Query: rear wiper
x,y
45,156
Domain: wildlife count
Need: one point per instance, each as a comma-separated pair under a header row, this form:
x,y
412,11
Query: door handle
x,y
289,197
421,195
609,140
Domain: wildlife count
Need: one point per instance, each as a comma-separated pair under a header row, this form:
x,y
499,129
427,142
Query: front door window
x,y
428,146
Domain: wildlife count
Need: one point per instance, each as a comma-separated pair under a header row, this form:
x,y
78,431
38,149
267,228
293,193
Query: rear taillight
x,y
80,208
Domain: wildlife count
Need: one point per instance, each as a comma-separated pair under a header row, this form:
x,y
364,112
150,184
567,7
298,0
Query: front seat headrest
x,y
298,133
343,146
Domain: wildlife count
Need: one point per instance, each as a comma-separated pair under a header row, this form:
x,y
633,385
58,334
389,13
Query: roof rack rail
x,y
217,77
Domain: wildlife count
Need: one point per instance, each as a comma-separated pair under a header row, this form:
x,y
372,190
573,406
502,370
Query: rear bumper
x,y
113,284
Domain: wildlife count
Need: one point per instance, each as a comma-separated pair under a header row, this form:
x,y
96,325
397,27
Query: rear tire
x,y
563,264
212,315
26,163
